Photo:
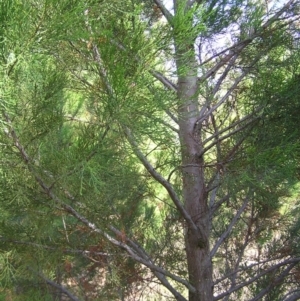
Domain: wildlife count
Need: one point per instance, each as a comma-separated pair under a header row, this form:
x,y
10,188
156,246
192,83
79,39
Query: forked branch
x,y
288,262
160,179
229,228
138,254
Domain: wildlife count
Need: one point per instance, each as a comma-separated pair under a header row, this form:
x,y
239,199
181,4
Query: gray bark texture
x,y
194,191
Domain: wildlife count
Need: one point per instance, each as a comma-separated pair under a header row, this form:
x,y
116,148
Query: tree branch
x,y
224,74
164,11
239,259
225,137
244,268
224,60
255,278
274,283
229,228
140,257
237,48
165,81
56,285
166,283
159,76
160,179
232,125
292,296
230,90
47,247
145,260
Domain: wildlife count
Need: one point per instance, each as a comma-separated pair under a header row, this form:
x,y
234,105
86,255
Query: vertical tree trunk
x,y
194,192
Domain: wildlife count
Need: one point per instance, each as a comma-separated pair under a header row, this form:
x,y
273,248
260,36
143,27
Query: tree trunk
x,y
194,191
195,197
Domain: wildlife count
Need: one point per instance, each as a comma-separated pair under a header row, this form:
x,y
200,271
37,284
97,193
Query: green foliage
x,y
74,75
218,15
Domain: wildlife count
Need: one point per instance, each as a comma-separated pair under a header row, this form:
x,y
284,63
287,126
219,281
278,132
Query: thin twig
x,y
255,278
229,228
56,285
160,179
140,257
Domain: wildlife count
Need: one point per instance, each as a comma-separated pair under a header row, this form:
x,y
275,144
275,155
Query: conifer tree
x,y
146,142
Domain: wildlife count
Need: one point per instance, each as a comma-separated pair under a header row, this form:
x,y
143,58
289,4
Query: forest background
x,y
149,153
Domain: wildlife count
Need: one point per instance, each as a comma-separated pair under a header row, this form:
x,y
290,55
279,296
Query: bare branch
x,y
171,115
274,283
226,136
232,125
169,125
292,296
102,70
278,14
164,11
239,259
220,53
224,60
140,250
229,90
160,179
144,259
165,81
217,205
56,285
255,278
56,248
224,74
237,48
229,228
161,277
165,123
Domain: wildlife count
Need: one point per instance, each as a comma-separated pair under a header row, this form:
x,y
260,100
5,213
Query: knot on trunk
x,y
201,243
197,239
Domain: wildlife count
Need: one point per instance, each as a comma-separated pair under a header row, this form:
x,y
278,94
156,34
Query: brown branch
x,y
167,284
292,296
249,267
224,74
56,285
239,259
159,76
224,60
137,257
232,88
47,247
217,205
171,115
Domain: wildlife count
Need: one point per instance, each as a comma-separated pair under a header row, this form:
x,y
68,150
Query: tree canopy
x,y
149,150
